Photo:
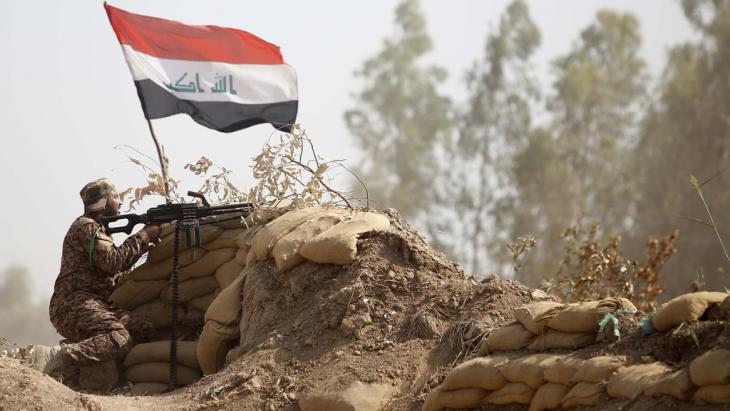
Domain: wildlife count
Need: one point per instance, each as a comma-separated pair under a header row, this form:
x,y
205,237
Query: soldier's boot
x,y
58,360
39,357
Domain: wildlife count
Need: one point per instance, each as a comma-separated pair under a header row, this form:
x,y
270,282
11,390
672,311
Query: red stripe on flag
x,y
173,40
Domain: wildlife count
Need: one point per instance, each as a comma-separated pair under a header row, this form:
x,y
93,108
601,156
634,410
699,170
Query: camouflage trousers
x,y
97,331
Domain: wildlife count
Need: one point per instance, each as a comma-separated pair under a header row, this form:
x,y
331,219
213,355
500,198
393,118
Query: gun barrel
x,y
228,208
233,206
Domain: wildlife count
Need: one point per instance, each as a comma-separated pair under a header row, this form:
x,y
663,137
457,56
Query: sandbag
x,y
202,303
439,399
261,216
244,240
148,388
685,308
227,239
562,370
482,372
166,247
157,312
250,260
584,393
167,229
159,351
713,394
134,293
630,382
265,240
338,245
711,368
584,317
231,224
163,269
226,273
508,338
187,290
286,250
598,369
214,343
551,339
239,222
512,393
240,257
226,307
529,369
677,384
207,264
160,372
359,396
548,397
534,316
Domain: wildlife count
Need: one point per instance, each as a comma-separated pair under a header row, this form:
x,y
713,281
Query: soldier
x,y
90,266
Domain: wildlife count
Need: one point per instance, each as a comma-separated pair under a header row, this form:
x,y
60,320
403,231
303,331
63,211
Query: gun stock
x,y
132,220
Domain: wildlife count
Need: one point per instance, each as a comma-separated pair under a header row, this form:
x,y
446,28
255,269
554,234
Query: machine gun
x,y
182,212
187,218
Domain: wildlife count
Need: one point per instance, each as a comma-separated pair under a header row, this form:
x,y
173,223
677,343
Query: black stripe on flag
x,y
223,116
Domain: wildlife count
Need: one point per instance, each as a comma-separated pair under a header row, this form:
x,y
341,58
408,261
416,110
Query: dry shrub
x,y
289,170
422,324
593,267
463,338
519,250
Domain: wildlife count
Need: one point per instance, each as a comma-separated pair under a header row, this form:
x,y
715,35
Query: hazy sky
x,y
68,97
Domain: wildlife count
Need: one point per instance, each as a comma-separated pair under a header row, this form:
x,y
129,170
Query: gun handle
x,y
199,195
132,220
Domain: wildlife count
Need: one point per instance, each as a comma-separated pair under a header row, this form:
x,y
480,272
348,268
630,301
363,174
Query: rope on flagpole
x,y
163,162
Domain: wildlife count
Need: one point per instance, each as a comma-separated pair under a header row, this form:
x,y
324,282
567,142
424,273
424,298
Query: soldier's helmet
x,y
94,194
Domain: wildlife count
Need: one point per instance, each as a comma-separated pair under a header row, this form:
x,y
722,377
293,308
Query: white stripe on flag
x,y
215,81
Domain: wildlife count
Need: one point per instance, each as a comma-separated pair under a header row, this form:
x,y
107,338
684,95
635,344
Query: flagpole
x,y
163,163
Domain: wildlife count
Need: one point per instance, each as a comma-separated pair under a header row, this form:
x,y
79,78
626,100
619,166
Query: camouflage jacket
x,y
95,275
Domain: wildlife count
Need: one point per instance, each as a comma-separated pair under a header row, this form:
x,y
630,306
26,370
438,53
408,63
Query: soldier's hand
x,y
153,232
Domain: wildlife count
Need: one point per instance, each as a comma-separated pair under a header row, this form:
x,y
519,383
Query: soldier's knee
x,y
122,339
142,330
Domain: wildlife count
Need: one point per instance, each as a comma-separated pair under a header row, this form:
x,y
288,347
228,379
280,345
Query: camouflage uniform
x,y
78,307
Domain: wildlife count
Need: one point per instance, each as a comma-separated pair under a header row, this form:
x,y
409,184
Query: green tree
x,y
494,125
686,132
400,116
580,162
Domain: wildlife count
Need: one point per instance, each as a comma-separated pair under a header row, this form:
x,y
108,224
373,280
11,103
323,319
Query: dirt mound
x,y
394,317
23,388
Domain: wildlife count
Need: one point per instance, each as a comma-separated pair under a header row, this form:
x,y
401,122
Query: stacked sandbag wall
x,y
564,381
202,272
211,277
147,366
546,325
549,381
711,373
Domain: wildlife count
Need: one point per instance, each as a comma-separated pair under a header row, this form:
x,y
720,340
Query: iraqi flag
x,y
225,79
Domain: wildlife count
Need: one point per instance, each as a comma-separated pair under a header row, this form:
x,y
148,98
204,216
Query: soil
x,y
402,316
